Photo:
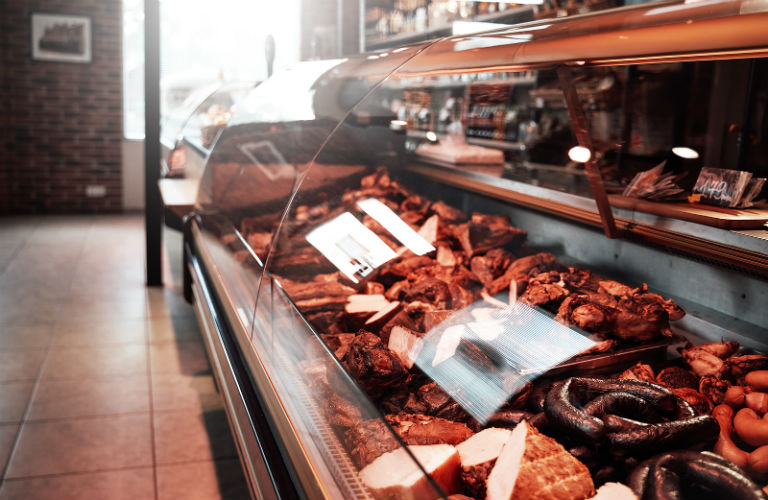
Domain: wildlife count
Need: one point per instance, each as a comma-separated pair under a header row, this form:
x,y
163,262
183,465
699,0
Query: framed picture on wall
x,y
63,38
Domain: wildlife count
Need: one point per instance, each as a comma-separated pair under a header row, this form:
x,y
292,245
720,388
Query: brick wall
x,y
60,123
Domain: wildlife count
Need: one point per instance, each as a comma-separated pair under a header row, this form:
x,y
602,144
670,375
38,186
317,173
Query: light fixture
x,y
579,154
431,136
685,153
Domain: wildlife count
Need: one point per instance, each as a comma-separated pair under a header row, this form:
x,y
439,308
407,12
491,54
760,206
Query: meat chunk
x,y
478,455
639,371
675,377
372,364
396,476
521,270
533,466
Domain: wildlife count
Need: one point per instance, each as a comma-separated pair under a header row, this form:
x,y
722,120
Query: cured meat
x,y
372,364
396,476
533,466
521,270
406,344
478,455
424,429
490,266
675,377
639,371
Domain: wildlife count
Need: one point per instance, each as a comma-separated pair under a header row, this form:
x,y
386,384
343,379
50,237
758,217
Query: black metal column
x,y
153,203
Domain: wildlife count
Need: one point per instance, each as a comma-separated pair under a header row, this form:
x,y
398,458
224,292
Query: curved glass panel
x,y
439,300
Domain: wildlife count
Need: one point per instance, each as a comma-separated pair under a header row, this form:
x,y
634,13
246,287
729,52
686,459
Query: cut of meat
x,y
478,454
396,476
424,429
372,364
532,466
483,446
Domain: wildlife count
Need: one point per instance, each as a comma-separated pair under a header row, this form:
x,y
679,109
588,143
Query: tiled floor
x,y
105,390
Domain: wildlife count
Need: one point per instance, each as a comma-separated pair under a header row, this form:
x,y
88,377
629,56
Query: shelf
x,y
510,16
744,250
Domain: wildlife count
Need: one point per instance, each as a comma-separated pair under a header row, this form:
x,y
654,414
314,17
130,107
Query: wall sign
x,y
63,38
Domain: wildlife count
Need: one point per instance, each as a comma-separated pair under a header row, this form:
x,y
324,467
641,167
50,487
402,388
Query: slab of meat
x,y
521,270
478,455
372,364
490,266
639,371
447,212
532,466
396,476
371,438
486,232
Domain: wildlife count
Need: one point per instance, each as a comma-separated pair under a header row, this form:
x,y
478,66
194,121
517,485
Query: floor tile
x,y
7,438
177,392
167,301
89,397
104,309
20,365
14,397
82,445
173,329
106,485
26,336
101,332
181,436
81,362
222,479
185,358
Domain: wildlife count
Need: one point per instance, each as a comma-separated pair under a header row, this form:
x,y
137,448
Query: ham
x,y
532,466
478,454
394,475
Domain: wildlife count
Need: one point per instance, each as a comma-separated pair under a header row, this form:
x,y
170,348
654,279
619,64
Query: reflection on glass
x,y
482,362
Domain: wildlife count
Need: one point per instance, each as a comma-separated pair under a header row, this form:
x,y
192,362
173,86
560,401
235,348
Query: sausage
x,y
622,403
757,461
667,435
660,476
725,446
757,380
750,427
615,423
757,401
655,394
561,412
735,396
537,397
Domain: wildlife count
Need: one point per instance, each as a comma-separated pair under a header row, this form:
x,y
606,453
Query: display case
x,y
416,277
190,131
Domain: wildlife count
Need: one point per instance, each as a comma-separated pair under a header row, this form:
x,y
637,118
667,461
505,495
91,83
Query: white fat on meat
x,y
405,345
483,447
445,256
396,476
428,230
365,304
614,491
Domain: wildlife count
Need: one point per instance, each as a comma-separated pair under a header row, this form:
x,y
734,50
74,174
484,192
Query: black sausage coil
x,y
630,415
684,475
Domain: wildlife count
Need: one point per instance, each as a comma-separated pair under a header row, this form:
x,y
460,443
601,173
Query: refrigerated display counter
x,y
415,276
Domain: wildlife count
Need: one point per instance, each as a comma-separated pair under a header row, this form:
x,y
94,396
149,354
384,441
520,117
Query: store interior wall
x,y
61,132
